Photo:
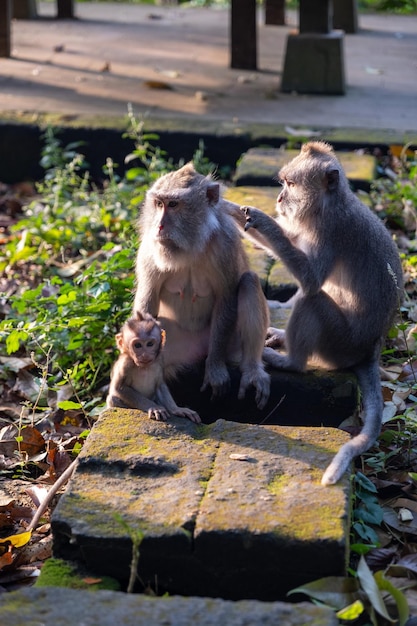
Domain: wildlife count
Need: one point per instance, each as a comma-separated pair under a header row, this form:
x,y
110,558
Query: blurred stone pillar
x,y
65,9
5,18
243,35
345,15
314,58
275,12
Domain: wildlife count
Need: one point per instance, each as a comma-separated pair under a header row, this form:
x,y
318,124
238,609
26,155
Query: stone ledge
x,y
227,510
67,607
260,166
313,398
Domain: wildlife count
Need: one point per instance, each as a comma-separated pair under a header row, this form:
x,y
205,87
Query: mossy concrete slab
x,y
226,510
66,607
260,166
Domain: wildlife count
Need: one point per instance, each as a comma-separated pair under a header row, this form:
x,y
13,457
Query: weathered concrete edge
x,y
195,124
225,142
66,607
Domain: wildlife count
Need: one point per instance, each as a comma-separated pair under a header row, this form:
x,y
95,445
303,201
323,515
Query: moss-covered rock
x,y
226,510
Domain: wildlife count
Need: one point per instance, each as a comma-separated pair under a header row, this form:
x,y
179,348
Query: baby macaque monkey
x,y
137,377
350,279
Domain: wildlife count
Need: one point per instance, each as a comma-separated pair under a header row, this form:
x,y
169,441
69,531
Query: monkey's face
x,y
169,212
301,193
144,347
181,219
288,201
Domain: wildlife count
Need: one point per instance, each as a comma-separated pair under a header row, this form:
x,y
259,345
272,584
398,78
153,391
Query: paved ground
x,y
99,63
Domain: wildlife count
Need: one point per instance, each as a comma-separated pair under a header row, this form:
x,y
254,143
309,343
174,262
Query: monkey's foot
x,y
217,377
275,337
255,376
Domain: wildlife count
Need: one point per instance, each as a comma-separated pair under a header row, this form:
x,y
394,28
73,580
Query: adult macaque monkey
x,y
350,278
137,380
192,273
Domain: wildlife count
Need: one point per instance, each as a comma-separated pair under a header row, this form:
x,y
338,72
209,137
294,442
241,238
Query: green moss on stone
x,y
59,573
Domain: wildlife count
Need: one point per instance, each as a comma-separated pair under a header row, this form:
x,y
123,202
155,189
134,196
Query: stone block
x,y
260,166
227,510
314,398
67,607
314,64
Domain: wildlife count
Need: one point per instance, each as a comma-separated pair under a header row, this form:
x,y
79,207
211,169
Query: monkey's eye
x,y
137,345
290,183
172,204
150,343
159,204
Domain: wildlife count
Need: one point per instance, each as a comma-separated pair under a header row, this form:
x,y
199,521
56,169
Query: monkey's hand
x,y
158,413
217,377
252,216
182,411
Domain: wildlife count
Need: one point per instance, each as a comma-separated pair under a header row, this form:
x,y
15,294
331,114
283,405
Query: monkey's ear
x,y
119,341
213,193
332,179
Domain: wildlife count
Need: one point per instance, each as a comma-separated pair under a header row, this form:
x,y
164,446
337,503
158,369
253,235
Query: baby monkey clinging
x,y
349,275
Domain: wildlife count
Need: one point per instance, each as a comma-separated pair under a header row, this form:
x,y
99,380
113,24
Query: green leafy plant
x,y
366,513
364,594
394,197
72,256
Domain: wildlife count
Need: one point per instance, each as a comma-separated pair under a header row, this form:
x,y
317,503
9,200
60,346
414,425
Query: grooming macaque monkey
x,y
137,380
192,273
350,278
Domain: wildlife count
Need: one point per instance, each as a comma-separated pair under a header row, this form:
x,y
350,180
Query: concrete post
x,y
65,9
24,9
5,17
243,35
314,59
345,15
275,12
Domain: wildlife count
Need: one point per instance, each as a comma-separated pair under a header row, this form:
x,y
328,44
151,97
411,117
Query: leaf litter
x,y
36,447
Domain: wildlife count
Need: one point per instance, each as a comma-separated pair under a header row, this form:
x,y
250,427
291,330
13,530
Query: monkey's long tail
x,y
370,386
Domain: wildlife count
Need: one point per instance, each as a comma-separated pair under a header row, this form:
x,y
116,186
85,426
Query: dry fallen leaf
x,y
157,84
